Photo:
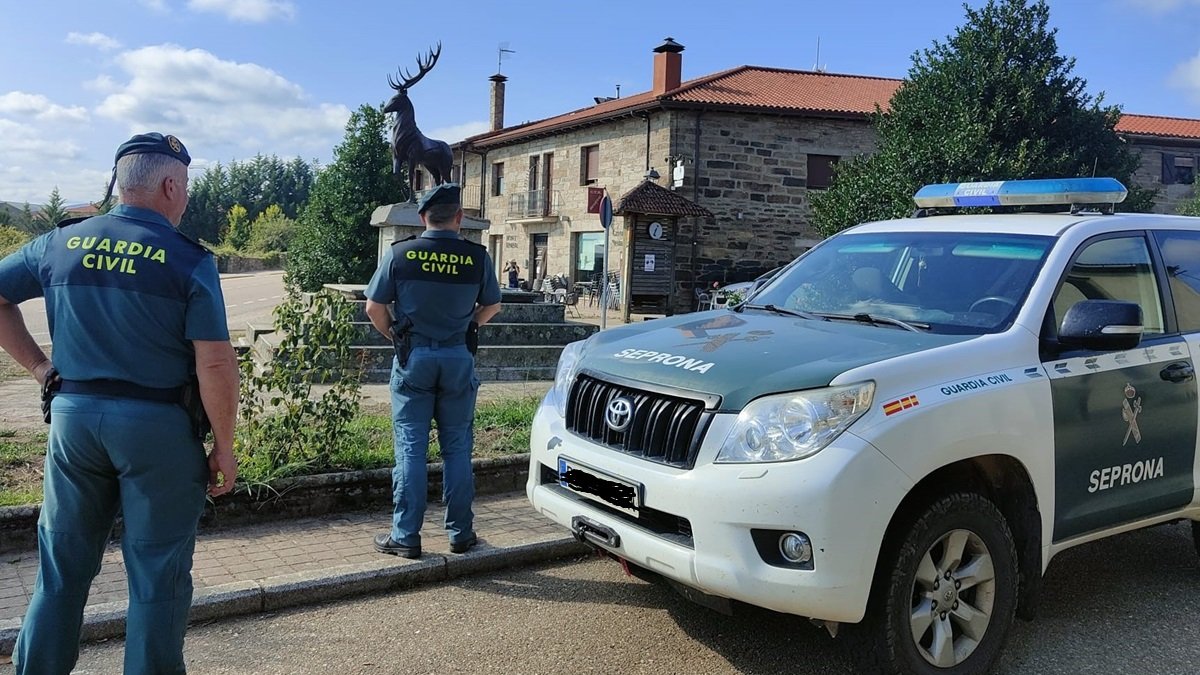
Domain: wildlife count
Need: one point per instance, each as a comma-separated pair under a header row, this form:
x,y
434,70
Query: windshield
x,y
946,282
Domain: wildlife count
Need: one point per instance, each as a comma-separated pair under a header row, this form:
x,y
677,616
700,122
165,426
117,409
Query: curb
x,y
107,620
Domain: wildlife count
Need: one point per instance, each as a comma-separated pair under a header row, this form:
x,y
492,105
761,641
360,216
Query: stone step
x,y
502,374
488,356
503,334
536,312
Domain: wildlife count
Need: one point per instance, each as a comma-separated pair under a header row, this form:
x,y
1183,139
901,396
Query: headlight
x,y
784,427
568,363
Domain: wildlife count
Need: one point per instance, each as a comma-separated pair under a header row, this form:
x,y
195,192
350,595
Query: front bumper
x,y
842,498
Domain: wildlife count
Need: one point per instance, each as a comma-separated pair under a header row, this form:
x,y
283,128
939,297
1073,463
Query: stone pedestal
x,y
397,221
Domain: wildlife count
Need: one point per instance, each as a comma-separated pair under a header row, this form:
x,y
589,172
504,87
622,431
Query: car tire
x,y
943,558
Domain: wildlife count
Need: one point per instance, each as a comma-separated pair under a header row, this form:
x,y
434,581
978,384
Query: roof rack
x,y
1101,194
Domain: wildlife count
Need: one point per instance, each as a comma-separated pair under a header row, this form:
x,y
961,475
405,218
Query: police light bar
x,y
1069,191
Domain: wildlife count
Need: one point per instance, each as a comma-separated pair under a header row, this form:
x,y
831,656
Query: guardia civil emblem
x,y
1131,407
176,146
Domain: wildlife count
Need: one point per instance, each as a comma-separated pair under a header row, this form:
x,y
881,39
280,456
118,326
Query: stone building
x,y
747,145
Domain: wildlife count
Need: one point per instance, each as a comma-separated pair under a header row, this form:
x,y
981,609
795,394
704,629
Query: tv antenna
x,y
500,52
817,67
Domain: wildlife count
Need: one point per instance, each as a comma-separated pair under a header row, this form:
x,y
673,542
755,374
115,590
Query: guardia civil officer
x,y
134,308
441,288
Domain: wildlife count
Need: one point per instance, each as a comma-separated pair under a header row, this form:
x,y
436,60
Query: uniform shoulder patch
x,y
194,243
66,222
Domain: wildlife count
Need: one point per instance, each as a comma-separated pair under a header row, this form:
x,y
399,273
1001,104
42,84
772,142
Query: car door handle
x,y
1178,372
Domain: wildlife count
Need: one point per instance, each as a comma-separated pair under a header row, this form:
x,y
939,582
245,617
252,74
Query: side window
x,y
1181,254
1113,269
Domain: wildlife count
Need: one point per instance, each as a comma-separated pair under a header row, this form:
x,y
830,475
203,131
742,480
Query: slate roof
x,y
650,198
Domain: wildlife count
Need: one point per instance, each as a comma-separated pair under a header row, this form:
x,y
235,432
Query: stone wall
x,y
751,172
1149,172
623,153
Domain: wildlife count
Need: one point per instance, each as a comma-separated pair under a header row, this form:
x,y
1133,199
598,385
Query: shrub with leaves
x,y
11,239
285,429
1191,207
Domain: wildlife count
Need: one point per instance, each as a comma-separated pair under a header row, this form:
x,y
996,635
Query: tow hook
x,y
831,626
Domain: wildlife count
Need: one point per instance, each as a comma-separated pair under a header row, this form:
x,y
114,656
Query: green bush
x,y
284,429
1191,207
272,235
11,239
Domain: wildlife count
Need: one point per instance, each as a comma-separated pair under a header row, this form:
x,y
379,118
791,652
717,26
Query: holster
x,y
402,340
193,405
50,387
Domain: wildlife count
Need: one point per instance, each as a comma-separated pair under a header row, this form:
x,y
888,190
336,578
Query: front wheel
x,y
947,600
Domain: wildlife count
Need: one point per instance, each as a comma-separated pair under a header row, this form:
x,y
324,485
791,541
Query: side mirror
x,y
1102,325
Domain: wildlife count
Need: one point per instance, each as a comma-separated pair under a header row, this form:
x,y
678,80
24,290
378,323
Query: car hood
x,y
740,356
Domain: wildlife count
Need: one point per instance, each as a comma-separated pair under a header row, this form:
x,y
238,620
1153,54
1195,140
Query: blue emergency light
x,y
1072,191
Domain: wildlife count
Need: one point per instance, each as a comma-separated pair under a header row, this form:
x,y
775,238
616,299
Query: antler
x,y
425,66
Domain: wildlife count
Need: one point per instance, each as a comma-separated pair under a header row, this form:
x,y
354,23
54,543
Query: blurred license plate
x,y
620,494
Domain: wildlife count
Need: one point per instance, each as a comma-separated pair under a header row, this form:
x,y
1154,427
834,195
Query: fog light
x,y
795,548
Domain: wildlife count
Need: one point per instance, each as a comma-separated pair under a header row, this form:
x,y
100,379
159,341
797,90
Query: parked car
x,y
898,434
743,288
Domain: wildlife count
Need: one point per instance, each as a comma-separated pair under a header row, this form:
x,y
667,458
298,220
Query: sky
x,y
236,78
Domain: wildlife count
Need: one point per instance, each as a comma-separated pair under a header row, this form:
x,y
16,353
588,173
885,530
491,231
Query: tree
x,y
335,242
51,213
255,184
996,101
1191,206
272,231
237,227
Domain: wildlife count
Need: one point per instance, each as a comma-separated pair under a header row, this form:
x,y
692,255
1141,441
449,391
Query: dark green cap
x,y
446,193
154,143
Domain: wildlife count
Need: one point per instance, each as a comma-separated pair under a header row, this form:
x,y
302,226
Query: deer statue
x,y
408,143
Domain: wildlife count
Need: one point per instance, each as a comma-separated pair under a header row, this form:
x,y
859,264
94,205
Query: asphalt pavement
x,y
1123,606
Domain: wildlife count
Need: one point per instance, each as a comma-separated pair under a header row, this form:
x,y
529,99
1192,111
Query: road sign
x,y
595,196
606,212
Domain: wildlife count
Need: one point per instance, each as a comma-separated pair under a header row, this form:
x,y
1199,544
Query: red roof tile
x,y
795,91
792,90
1153,125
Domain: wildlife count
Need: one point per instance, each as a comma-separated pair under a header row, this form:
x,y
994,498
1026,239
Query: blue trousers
x,y
437,383
103,453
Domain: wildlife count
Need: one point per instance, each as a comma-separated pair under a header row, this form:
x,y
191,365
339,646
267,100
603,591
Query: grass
x,y
501,428
21,458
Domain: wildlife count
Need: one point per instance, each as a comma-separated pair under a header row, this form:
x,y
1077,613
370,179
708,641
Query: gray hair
x,y
144,172
441,214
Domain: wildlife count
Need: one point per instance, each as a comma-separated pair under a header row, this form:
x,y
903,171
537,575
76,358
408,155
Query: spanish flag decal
x,y
900,404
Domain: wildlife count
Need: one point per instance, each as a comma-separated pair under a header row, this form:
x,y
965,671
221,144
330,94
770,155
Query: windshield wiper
x,y
876,320
784,311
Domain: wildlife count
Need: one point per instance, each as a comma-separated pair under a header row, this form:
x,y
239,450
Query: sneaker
x,y
464,545
385,544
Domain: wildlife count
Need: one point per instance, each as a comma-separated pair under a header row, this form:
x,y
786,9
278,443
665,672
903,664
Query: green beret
x,y
446,193
154,143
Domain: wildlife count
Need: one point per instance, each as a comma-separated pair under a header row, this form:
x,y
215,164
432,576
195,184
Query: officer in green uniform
x,y
134,309
440,288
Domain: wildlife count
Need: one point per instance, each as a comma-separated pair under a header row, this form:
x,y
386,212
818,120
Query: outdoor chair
x,y
703,300
571,300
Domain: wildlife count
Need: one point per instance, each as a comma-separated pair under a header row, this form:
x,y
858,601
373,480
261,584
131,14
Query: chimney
x,y
497,112
668,66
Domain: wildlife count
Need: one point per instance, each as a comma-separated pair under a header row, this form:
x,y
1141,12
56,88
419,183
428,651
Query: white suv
x,y
902,428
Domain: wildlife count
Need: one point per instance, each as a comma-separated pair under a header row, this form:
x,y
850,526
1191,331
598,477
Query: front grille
x,y
666,429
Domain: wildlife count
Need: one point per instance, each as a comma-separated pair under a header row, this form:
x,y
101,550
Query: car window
x,y
952,282
1113,269
1181,254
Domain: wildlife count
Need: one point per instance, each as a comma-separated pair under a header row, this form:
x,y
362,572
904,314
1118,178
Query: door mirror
x,y
1102,325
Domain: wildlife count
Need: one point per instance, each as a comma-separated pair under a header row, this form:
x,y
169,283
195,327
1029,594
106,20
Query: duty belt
x,y
452,341
122,389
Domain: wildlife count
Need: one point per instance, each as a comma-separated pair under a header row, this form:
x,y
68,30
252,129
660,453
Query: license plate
x,y
621,494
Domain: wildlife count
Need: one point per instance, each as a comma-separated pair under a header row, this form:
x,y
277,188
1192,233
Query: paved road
x,y
1127,605
248,297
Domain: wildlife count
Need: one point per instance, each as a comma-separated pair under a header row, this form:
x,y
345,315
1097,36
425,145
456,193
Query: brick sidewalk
x,y
334,544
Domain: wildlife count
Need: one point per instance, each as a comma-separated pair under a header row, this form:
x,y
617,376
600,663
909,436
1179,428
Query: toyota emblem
x,y
619,414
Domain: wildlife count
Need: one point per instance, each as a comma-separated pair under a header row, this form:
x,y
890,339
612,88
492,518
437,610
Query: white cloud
x,y
1186,76
101,83
98,40
250,11
36,106
209,102
156,5
457,132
